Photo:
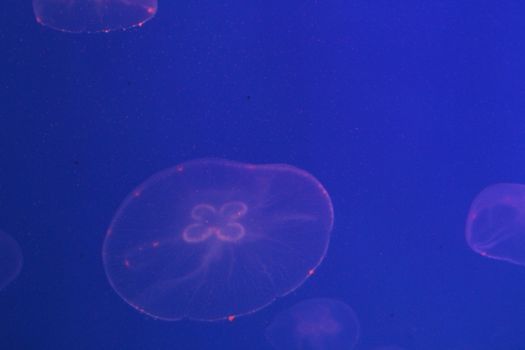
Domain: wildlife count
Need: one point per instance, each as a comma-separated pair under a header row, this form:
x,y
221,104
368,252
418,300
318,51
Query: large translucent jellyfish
x,y
212,239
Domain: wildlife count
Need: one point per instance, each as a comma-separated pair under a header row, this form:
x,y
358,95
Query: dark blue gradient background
x,y
403,111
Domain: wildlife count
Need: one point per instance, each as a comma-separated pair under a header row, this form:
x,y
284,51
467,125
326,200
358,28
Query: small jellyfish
x,y
85,16
10,259
315,324
496,223
213,239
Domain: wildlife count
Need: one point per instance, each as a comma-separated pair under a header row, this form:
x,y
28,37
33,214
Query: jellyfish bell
x,y
10,259
315,324
213,239
495,225
88,16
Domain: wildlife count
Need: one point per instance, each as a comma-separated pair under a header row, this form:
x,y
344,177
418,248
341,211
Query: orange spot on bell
x,y
231,318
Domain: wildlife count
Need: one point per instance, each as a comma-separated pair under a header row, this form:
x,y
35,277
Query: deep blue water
x,y
403,111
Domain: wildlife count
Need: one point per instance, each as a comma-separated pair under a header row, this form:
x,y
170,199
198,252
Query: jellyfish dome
x,y
84,16
213,239
10,259
315,324
496,223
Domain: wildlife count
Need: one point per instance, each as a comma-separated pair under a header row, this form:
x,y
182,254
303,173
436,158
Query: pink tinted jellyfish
x,y
10,259
496,223
315,324
213,239
85,16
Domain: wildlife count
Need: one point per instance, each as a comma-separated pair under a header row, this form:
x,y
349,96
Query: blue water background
x,y
403,110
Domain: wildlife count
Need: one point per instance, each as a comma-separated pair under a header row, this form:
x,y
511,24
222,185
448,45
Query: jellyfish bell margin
x,y
93,16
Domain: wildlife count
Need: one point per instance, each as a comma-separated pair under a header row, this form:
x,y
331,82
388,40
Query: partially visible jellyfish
x,y
214,239
389,347
496,223
315,324
85,16
10,259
